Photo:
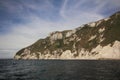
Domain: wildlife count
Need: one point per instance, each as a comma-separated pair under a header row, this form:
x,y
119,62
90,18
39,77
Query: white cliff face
x,y
92,37
111,52
26,52
69,33
101,30
92,24
106,19
66,55
96,40
56,36
98,22
106,52
17,57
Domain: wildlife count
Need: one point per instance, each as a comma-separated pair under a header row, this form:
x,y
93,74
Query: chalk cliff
x,y
95,40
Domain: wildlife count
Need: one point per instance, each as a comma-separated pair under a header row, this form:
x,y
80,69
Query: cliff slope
x,y
96,40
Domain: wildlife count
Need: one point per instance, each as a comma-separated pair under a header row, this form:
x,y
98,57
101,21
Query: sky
x,y
22,22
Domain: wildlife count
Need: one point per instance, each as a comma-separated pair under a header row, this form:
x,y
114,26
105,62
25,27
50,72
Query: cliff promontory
x,y
95,40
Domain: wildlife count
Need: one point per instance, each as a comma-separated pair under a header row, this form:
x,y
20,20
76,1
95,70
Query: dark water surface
x,y
59,69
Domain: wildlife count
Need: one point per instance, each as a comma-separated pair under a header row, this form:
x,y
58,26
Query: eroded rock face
x,y
56,36
96,40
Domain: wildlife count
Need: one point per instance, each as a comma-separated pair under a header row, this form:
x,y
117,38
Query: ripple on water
x,y
59,70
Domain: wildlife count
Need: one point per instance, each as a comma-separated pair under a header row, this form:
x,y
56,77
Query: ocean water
x,y
59,69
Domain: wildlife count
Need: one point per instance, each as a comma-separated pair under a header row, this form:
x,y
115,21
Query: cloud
x,y
29,21
78,12
7,53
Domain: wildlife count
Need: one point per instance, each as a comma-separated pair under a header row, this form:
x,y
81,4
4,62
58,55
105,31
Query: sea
x,y
11,69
